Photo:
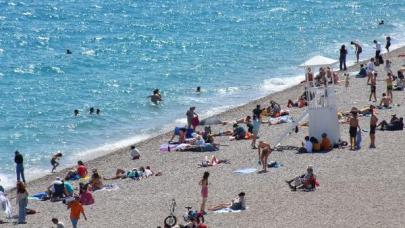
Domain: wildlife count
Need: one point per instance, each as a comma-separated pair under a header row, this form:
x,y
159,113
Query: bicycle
x,y
171,220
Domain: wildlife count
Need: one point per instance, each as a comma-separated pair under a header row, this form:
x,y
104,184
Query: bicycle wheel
x,y
170,220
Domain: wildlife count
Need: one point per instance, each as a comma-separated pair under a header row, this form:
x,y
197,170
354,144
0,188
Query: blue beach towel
x,y
245,170
38,196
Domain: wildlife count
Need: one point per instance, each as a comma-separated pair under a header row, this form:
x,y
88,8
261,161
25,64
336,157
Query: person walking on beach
x,y
358,50
54,160
377,49
370,69
388,43
354,124
373,126
342,58
192,118
204,190
373,87
264,150
19,161
255,129
76,209
22,202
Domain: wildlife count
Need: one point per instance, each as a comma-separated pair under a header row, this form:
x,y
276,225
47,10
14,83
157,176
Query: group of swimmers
x,y
92,111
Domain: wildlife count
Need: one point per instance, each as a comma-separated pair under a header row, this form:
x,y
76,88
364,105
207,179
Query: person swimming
x,y
69,52
76,112
156,97
91,111
198,90
381,22
98,111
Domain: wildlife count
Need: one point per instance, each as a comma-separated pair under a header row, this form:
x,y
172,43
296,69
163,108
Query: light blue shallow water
x,y
235,50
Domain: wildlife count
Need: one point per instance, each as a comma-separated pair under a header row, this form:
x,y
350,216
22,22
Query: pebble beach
x,y
362,188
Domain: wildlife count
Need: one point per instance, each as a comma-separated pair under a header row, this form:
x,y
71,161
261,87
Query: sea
x,y
236,51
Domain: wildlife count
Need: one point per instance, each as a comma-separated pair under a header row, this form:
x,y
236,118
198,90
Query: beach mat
x,y
245,170
164,148
109,188
227,210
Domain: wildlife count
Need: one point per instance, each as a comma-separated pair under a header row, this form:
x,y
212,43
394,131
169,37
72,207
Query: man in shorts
x,y
373,126
263,150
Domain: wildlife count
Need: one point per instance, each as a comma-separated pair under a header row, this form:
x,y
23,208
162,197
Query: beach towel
x,y
280,120
227,210
5,205
40,196
109,187
168,147
245,170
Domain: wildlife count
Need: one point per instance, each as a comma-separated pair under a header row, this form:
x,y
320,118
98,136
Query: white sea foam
x,y
278,84
89,52
278,9
57,70
27,70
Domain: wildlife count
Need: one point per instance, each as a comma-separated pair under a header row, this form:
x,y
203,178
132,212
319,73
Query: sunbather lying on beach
x,y
394,125
300,103
306,181
214,161
134,173
238,203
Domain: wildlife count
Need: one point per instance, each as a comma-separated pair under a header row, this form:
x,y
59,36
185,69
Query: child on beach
x,y
54,160
204,190
134,153
76,209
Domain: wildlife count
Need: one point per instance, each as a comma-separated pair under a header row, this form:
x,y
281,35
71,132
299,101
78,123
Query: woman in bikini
x,y
204,190
264,150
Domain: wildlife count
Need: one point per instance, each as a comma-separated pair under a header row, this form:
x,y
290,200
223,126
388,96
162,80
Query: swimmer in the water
x,y
198,89
98,111
68,51
91,110
381,22
156,97
76,112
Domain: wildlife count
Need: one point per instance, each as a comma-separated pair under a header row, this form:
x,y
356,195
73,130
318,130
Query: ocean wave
x,y
89,52
25,70
278,84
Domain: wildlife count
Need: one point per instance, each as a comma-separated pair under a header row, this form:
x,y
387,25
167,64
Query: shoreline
x,y
90,156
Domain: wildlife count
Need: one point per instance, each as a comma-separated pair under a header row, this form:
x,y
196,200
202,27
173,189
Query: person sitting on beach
x,y
54,161
57,190
316,146
363,72
238,132
275,109
332,76
307,145
134,153
385,102
81,169
239,203
95,181
300,103
396,124
306,181
325,143
181,133
85,195
155,97
399,82
213,161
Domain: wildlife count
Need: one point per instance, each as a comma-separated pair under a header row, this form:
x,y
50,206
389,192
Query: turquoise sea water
x,y
235,50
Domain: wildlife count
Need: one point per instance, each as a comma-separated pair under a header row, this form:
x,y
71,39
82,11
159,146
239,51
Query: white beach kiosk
x,y
322,111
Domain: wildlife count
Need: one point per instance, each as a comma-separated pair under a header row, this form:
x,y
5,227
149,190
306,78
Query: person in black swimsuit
x,y
354,124
373,126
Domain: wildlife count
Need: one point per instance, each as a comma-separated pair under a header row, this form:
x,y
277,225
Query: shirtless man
x,y
263,150
156,97
373,126
354,124
358,49
385,101
373,87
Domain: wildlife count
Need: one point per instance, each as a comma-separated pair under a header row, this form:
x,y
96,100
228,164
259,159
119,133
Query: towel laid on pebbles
x,y
227,210
245,170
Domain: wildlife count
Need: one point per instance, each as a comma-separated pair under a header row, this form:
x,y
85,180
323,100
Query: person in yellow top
x,y
325,143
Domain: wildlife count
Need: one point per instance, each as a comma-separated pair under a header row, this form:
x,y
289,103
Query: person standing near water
x,y
358,49
377,49
204,190
19,161
387,43
342,58
192,118
22,202
54,160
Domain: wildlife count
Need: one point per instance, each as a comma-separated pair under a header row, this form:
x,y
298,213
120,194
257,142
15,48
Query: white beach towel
x,y
245,170
227,210
109,187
